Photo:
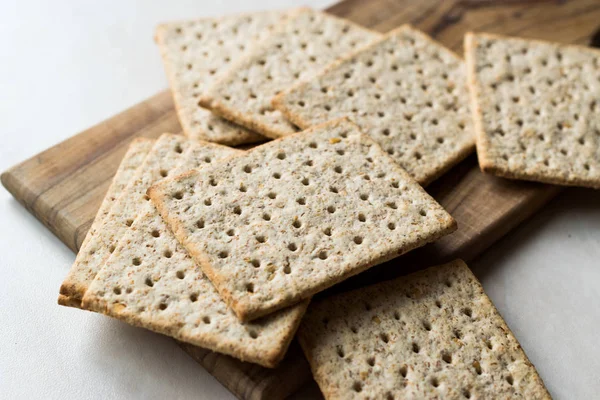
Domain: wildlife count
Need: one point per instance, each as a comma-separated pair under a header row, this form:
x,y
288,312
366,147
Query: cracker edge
x,y
269,359
72,298
486,163
242,310
247,120
278,101
77,289
305,342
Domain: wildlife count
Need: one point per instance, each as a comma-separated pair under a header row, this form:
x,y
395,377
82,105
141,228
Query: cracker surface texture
x,y
135,155
162,158
432,334
405,90
150,281
536,107
194,52
296,49
292,217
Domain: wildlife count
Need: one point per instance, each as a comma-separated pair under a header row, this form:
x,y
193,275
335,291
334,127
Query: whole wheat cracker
x,y
536,107
165,154
294,216
150,281
194,51
431,334
294,50
406,90
137,151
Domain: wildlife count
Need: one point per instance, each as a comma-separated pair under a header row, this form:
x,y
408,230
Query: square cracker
x,y
163,157
432,334
194,52
405,90
536,107
137,151
292,217
296,49
150,281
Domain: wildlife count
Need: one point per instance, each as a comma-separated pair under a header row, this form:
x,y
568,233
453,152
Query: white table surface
x,y
67,65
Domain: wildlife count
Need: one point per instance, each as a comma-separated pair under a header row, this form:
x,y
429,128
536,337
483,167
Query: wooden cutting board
x,y
64,185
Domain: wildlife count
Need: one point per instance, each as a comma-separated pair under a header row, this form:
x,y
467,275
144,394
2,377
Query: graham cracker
x,y
137,151
405,90
294,50
292,217
194,52
162,158
536,106
432,334
150,281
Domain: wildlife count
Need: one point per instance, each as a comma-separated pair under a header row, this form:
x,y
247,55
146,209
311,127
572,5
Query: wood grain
x,y
64,185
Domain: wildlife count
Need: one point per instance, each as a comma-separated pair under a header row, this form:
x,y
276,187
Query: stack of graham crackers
x,y
224,248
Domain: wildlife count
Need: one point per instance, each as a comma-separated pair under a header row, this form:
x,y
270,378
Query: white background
x,y
66,65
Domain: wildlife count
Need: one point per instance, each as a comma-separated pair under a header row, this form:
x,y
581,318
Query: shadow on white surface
x,y
114,349
544,278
